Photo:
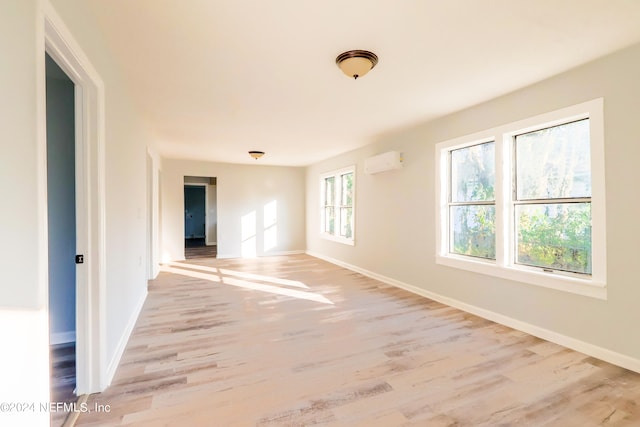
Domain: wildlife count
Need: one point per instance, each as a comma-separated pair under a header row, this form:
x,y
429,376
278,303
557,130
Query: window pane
x,y
329,184
346,195
555,236
346,222
473,173
554,162
329,220
473,230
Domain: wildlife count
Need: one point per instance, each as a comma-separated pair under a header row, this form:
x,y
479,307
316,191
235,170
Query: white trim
x,y
279,253
504,266
124,339
266,254
336,174
589,349
153,215
58,42
208,213
338,239
62,337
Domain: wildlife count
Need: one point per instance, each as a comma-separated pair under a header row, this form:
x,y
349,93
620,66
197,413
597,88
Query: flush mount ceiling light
x,y
356,63
256,154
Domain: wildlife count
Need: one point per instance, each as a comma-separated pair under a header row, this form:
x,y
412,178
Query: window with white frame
x,y
472,204
552,198
337,191
525,201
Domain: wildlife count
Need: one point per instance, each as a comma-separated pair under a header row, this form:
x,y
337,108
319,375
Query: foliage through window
x,y
337,205
525,200
553,198
472,202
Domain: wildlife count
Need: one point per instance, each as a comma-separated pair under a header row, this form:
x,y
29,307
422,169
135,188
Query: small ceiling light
x,y
256,154
356,63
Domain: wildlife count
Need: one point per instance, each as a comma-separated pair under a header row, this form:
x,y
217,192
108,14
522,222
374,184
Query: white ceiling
x,y
217,78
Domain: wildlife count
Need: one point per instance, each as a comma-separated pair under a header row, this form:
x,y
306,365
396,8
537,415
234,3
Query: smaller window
x,y
472,203
337,190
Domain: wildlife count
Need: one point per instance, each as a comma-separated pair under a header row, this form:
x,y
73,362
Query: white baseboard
x,y
598,352
274,253
279,253
124,339
62,337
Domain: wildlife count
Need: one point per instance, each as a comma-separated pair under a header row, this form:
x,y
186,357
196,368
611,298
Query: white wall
x,y
242,191
61,205
395,212
126,141
24,366
23,291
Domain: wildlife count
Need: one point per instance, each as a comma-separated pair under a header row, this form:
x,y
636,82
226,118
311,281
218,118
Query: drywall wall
x,y
247,196
61,197
24,366
125,174
395,211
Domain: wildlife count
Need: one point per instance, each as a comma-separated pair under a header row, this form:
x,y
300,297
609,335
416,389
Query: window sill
x,y
338,239
586,287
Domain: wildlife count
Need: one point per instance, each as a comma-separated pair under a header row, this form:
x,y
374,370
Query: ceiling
x,y
217,78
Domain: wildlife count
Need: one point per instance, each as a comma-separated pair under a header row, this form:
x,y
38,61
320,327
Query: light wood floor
x,y
63,378
295,341
197,248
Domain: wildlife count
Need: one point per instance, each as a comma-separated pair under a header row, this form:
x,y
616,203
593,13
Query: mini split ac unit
x,y
383,162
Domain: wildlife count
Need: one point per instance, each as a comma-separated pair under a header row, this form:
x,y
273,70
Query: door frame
x,y
56,40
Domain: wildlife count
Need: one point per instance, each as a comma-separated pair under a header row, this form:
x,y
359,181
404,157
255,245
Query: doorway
x,y
62,230
200,217
195,213
92,372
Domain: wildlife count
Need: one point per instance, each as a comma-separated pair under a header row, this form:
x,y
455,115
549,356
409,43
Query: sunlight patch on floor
x,y
250,276
224,276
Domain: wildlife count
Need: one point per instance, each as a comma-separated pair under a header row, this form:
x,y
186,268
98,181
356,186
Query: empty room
x,y
334,213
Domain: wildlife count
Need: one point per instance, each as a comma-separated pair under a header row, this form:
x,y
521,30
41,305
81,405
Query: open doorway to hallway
x,y
62,232
200,217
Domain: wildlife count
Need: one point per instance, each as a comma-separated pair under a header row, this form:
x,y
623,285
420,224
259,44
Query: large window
x,y
337,191
553,198
525,201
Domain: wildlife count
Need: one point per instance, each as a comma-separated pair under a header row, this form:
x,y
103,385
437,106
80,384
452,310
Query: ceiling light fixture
x,y
256,154
356,63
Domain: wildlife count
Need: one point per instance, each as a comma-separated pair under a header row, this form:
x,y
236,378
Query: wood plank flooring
x,y
296,341
197,248
63,378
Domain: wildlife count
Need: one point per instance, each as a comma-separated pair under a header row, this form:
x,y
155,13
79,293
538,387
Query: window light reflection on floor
x,y
229,277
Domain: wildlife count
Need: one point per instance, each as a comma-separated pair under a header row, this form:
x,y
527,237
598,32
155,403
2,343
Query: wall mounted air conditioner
x,y
383,162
